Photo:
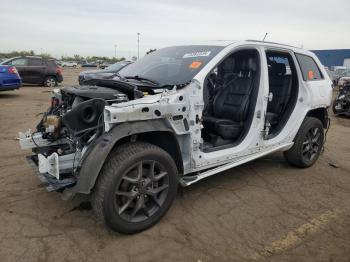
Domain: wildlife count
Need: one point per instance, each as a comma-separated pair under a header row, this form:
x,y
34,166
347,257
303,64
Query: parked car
x,y
175,117
36,70
9,78
339,72
88,64
341,105
58,62
344,79
69,64
104,65
107,73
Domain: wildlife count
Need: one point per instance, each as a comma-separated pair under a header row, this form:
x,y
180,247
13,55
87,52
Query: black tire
x,y
110,197
50,81
308,144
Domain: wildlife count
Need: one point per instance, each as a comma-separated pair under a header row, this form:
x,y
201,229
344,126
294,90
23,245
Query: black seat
x,y
280,85
231,103
226,70
215,81
208,94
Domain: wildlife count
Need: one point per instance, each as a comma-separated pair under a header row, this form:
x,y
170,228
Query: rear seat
x,y
281,87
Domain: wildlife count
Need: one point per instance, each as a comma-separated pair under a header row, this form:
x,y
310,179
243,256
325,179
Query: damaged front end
x,y
72,122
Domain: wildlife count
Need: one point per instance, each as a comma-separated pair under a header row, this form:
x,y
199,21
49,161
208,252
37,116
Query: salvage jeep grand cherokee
x,y
176,116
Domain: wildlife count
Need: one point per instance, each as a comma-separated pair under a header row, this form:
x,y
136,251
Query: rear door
x,y
283,90
36,70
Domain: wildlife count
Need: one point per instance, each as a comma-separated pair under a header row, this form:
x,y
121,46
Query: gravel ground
x,y
262,211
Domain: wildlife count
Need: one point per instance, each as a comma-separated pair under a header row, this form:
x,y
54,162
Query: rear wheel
x,y
135,188
50,81
308,144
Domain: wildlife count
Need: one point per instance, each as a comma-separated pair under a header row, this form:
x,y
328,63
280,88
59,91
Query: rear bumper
x,y
59,78
7,88
10,84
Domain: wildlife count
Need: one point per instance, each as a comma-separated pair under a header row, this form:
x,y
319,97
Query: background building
x,y
334,57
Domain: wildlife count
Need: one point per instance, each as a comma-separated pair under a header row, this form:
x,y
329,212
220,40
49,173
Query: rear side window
x,y
35,62
51,63
274,58
19,62
309,68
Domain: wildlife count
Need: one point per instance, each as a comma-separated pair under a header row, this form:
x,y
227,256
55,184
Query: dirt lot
x,y
264,210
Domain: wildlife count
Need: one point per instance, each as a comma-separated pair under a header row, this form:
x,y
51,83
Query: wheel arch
x,y
50,75
320,113
153,131
163,139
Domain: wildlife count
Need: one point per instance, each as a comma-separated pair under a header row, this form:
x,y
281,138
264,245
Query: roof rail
x,y
267,42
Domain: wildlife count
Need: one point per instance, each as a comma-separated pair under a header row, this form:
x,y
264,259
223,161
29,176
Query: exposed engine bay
x,y
73,120
76,111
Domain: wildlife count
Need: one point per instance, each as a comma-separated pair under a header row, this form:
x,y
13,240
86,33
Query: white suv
x,y
176,116
69,64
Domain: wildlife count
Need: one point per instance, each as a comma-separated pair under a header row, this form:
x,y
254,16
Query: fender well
x,y
321,114
151,131
167,141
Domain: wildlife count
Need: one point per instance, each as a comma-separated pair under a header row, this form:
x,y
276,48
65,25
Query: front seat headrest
x,y
252,64
228,65
247,65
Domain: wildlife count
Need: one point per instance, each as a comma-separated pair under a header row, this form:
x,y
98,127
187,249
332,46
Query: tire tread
x,y
293,155
114,160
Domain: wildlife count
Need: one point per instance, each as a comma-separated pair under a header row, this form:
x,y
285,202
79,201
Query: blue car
x,y
9,78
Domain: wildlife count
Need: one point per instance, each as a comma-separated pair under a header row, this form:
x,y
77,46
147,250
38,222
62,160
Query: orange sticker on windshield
x,y
311,75
195,65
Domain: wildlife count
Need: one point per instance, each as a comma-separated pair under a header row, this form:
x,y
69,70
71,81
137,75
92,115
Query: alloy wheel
x,y
142,191
311,144
50,82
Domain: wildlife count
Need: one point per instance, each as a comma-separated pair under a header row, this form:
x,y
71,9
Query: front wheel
x,y
308,144
135,188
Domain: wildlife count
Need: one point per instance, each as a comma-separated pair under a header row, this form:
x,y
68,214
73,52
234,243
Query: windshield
x,y
171,65
115,67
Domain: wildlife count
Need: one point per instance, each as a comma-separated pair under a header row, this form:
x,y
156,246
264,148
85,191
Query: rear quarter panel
x,y
321,90
9,81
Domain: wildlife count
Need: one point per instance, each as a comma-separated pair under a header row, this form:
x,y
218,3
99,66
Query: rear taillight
x,y
59,71
12,70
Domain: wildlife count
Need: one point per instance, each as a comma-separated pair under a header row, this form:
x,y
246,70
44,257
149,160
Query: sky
x,y
91,27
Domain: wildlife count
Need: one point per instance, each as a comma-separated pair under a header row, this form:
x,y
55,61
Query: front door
x,y
233,108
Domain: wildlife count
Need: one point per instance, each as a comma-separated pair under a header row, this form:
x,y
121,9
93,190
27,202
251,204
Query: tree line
x,y
76,58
